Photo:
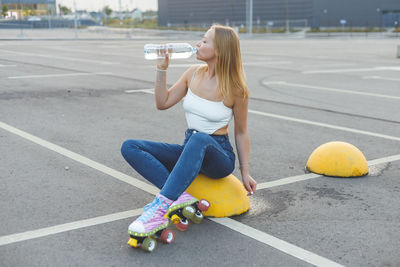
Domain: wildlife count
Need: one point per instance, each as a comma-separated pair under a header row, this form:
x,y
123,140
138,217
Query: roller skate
x,y
187,207
151,225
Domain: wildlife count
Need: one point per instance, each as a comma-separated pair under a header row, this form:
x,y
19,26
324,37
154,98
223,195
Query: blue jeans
x,y
173,167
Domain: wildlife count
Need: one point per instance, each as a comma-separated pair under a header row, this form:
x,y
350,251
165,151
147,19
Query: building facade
x,y
313,13
24,8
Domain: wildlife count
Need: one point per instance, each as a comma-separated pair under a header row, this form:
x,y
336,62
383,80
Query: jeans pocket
x,y
225,144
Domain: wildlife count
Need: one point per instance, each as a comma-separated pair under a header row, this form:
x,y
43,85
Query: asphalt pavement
x,y
68,196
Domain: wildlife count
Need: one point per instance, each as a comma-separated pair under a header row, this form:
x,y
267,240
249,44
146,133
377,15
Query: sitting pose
x,y
214,93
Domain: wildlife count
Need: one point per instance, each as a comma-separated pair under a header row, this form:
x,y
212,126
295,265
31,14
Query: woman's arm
x,y
164,97
240,110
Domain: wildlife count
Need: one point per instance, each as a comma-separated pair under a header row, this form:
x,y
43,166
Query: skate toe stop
x,y
136,227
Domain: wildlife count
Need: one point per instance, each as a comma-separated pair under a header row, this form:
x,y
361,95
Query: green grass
x,y
152,24
349,30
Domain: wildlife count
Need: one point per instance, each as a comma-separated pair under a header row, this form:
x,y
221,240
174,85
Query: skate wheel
x,y
167,236
203,205
149,244
182,225
133,242
188,212
175,219
197,217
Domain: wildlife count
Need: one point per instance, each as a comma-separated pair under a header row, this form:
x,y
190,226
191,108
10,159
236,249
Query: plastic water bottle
x,y
179,50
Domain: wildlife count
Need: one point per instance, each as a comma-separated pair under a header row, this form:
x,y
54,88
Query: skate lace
x,y
151,209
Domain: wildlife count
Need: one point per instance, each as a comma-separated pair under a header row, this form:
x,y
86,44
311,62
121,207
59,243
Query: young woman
x,y
214,93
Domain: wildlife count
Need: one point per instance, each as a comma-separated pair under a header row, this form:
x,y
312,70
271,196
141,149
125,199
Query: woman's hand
x,y
163,63
249,184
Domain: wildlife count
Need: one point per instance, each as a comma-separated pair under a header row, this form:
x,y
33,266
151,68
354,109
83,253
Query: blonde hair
x,y
231,79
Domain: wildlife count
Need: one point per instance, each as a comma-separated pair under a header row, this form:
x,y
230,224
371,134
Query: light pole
x,y
75,22
378,10
249,7
20,19
287,16
50,11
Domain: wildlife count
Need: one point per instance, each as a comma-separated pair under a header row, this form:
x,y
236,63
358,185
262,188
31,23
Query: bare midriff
x,y
221,131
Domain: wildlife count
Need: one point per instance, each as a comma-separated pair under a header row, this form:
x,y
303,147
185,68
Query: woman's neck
x,y
211,69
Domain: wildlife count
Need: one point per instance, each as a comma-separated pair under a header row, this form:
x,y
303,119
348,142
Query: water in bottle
x,y
179,50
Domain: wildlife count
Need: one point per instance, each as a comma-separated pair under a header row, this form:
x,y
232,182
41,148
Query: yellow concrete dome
x,y
339,159
227,196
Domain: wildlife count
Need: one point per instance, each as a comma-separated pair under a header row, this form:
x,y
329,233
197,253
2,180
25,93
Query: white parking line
x,y
147,91
325,125
59,75
60,57
393,68
287,180
9,239
308,176
381,78
86,161
4,66
327,65
329,89
264,63
182,65
97,53
267,63
384,160
277,243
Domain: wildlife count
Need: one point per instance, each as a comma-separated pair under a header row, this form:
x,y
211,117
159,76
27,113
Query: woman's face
x,y
205,48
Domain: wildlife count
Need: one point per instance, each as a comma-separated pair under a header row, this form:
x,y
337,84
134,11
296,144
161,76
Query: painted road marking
x,y
147,91
329,89
59,75
60,57
287,180
329,65
9,239
182,65
93,52
325,125
341,128
308,176
4,66
384,160
274,242
266,63
84,160
394,68
381,78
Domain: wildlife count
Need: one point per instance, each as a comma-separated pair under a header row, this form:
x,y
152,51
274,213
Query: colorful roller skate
x,y
187,207
151,225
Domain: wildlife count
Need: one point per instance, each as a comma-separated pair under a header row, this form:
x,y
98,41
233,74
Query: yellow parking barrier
x,y
339,159
227,196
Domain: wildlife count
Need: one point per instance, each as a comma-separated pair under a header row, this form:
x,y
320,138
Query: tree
x,y
28,11
64,10
107,10
4,10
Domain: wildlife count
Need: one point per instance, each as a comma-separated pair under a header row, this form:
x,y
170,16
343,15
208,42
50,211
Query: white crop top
x,y
205,115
